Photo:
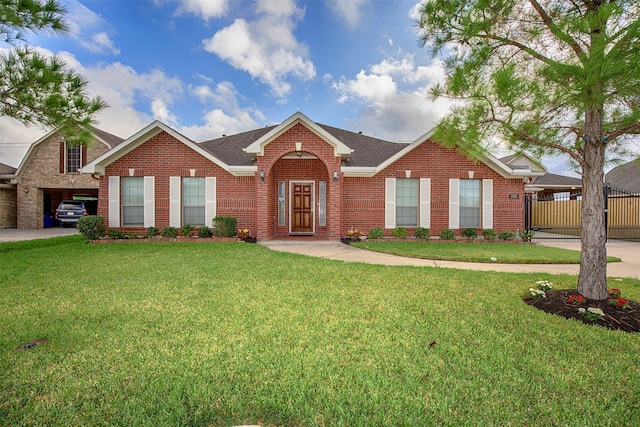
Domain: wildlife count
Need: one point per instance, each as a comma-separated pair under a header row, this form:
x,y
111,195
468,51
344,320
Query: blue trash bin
x,y
48,221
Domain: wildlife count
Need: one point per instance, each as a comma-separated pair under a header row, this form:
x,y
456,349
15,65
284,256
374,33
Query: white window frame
x,y
67,158
424,203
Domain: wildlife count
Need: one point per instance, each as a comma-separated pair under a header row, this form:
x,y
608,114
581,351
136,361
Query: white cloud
x,y
15,139
218,123
89,29
368,87
226,117
347,11
128,94
266,47
206,9
393,98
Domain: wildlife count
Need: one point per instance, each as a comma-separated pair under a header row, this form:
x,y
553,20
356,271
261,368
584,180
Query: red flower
x,y
614,292
575,299
621,302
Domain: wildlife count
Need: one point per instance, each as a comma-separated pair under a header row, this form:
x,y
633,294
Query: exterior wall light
x,y
262,175
335,176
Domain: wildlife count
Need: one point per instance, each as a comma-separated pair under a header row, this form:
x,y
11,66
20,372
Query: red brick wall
x,y
277,169
163,156
364,203
255,203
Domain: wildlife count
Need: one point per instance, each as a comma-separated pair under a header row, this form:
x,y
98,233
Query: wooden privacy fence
x,y
561,215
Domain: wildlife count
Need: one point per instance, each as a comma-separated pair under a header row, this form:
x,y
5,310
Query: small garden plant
x,y
399,232
116,234
375,233
506,235
447,234
422,233
91,226
169,232
187,230
470,233
204,232
354,233
489,234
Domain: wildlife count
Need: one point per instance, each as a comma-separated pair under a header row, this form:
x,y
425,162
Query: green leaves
x,y
38,89
17,16
530,70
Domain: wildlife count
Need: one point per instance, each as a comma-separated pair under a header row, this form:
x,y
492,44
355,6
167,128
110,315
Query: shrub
x,y
152,232
506,235
187,229
91,226
132,235
204,232
224,226
470,233
526,235
375,233
399,232
116,234
170,232
422,233
447,234
489,234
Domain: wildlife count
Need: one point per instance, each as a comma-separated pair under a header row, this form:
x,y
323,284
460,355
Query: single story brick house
x,y
301,178
49,173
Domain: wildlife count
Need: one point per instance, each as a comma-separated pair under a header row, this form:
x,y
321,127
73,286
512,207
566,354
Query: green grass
x,y
503,253
231,333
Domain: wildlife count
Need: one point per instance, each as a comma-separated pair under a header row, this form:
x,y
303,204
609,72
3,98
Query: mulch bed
x,y
626,319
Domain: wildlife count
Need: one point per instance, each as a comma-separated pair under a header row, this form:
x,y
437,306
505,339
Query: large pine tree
x,y
548,77
37,89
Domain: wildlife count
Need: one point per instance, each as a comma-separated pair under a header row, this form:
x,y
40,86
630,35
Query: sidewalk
x,y
629,252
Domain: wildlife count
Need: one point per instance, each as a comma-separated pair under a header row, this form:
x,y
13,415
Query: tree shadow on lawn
x,y
617,318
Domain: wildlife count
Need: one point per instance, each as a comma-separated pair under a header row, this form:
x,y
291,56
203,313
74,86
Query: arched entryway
x,y
300,195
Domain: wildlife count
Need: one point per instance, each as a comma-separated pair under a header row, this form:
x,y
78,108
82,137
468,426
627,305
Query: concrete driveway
x,y
13,234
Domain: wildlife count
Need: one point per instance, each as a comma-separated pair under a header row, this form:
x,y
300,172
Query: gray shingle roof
x,y
110,139
552,179
626,177
368,151
229,148
6,169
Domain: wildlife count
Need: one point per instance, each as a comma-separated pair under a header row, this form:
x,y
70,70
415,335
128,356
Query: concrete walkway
x,y
629,252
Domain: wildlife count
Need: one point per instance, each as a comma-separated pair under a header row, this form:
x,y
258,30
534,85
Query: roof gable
x,y
98,166
101,136
257,147
6,169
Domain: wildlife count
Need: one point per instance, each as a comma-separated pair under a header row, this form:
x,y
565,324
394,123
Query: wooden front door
x,y
302,208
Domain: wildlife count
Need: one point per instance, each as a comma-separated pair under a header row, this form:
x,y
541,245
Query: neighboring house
x,y
50,173
521,161
550,183
302,178
625,177
8,208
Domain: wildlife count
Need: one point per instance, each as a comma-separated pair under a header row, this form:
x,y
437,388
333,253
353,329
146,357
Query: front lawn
x,y
231,333
505,253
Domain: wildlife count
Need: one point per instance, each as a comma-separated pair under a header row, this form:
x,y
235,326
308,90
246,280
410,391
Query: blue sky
x,y
213,67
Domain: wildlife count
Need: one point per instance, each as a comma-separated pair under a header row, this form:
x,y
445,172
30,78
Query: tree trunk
x,y
592,280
